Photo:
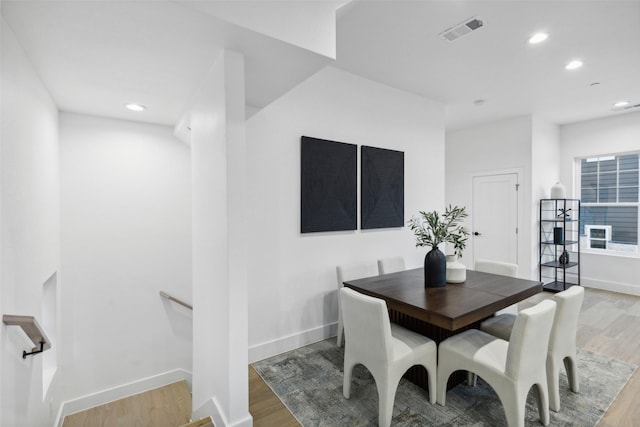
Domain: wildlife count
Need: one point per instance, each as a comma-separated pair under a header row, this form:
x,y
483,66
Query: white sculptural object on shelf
x,y
558,191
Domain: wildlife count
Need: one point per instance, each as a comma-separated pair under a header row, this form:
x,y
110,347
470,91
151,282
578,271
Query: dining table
x,y
441,312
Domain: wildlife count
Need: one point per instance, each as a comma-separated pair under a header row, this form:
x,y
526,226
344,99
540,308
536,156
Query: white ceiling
x,y
95,56
398,43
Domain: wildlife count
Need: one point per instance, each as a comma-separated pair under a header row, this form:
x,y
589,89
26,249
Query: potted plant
x,y
432,229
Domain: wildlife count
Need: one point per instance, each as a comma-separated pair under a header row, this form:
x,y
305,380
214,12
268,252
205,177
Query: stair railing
x,y
176,300
34,331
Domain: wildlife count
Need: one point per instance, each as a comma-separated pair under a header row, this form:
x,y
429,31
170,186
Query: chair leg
x,y
340,329
471,379
346,376
442,379
543,403
387,385
553,383
432,372
572,373
514,404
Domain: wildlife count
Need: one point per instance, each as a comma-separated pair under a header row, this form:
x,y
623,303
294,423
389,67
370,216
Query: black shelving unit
x,y
559,235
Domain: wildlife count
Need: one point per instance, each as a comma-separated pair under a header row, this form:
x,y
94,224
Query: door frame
x,y
523,231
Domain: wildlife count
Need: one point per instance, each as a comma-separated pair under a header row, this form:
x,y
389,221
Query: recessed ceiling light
x,y
136,107
574,64
621,104
538,38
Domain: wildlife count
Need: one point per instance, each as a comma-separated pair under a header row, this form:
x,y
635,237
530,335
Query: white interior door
x,y
495,217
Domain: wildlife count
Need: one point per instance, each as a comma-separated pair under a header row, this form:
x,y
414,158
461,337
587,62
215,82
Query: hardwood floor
x,y
205,422
168,406
265,407
609,324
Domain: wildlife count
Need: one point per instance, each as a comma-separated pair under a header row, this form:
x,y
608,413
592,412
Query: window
x,y
609,196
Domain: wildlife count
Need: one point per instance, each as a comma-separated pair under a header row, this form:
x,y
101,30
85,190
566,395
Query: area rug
x,y
309,382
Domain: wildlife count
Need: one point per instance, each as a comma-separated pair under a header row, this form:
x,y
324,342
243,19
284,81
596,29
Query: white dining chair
x,y
503,269
562,342
391,264
497,267
347,272
387,350
511,368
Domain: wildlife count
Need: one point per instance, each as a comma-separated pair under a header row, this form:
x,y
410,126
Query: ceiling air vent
x,y
625,107
462,29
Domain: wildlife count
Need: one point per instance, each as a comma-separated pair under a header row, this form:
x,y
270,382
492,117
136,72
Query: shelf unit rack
x,y
559,235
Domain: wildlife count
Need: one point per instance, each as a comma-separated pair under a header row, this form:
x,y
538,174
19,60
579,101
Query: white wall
x,y
309,24
292,276
545,158
545,171
126,235
502,146
30,243
1,217
220,376
545,155
616,134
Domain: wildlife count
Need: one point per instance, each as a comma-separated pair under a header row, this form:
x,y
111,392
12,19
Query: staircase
x,y
167,406
205,422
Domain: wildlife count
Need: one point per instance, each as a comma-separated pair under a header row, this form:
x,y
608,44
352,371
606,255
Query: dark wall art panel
x,y
382,188
328,191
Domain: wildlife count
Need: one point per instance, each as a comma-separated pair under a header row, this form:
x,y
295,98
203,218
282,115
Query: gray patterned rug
x,y
309,382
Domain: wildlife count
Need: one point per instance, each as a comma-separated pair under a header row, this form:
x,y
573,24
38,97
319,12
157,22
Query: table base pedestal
x,y
418,374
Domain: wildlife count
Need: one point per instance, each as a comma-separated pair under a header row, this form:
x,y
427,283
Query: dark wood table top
x,y
453,306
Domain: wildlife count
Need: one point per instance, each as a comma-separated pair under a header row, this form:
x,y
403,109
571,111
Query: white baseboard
x,y
605,285
245,422
109,395
211,408
291,342
624,288
310,336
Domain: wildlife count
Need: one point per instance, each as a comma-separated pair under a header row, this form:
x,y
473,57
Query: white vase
x,y
456,271
558,191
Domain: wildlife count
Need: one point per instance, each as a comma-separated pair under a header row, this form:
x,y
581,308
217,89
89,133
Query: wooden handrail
x,y
176,300
32,328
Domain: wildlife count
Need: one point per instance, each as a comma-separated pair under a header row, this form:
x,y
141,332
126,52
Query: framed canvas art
x,y
328,187
382,188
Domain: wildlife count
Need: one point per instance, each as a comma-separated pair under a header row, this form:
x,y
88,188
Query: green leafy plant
x,y
432,228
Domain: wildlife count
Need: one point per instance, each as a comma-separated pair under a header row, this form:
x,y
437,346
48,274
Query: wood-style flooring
x,y
168,406
265,407
609,324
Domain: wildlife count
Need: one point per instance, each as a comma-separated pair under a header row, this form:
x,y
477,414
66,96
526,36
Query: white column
x,y
220,325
